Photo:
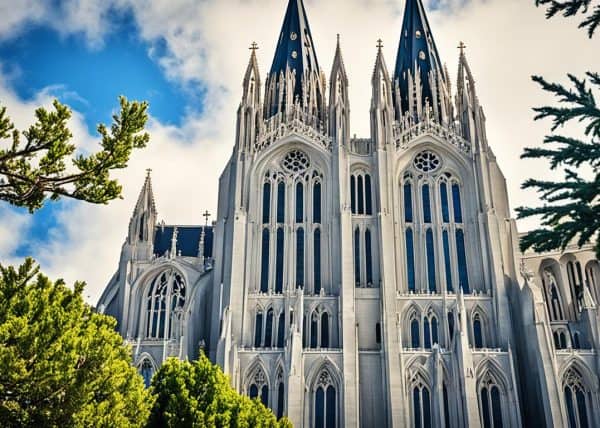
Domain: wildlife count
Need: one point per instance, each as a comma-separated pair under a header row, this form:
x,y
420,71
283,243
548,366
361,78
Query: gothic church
x,y
373,282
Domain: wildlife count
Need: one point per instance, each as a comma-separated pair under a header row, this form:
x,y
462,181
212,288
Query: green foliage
x,y
35,169
570,8
572,209
61,364
198,394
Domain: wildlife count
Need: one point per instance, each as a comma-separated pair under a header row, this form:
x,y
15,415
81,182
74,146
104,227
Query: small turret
x,y
249,112
339,104
143,220
382,110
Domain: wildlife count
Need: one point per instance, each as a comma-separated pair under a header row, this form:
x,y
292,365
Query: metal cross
x,y
148,171
206,215
254,47
462,48
379,44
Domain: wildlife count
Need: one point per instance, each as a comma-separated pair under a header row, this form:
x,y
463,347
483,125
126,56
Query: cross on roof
x,y
379,44
254,47
462,48
148,171
206,215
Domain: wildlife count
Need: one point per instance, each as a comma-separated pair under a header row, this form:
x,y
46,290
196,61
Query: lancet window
x,y
363,258
146,369
421,404
490,403
361,194
553,296
320,329
165,301
259,386
478,331
577,399
325,409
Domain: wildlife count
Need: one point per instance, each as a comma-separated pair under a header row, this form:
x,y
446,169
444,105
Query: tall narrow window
x,y
300,258
164,305
463,276
575,400
485,408
447,262
496,407
147,371
281,202
477,332
281,330
408,206
491,406
426,333
299,203
266,203
258,325
458,217
317,261
361,195
279,262
269,329
369,258
264,395
368,196
317,203
415,340
314,331
450,326
446,407
353,193
325,330
320,408
430,260
264,263
357,257
410,260
378,333
444,197
434,331
426,204
280,398
421,407
331,404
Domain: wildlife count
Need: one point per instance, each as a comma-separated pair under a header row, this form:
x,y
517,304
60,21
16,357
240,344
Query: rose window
x,y
296,161
427,161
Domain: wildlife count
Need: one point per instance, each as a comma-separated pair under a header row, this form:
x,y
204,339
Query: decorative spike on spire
x,y
417,56
295,73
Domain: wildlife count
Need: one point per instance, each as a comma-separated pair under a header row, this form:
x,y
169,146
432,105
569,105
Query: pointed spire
x,y
252,79
145,200
141,225
417,58
380,70
295,74
339,78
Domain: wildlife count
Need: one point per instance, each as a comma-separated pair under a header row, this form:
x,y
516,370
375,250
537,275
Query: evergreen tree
x,y
571,212
62,364
37,168
198,394
590,11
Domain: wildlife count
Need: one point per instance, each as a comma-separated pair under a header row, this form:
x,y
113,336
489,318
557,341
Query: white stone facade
x,y
371,282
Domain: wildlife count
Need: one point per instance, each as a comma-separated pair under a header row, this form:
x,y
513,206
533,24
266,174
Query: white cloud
x,y
207,41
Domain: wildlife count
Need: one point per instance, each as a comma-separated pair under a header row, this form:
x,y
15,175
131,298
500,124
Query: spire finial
x,y
462,47
206,215
148,172
379,44
254,47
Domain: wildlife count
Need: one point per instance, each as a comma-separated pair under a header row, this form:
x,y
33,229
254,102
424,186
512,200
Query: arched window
x,y
269,329
576,399
490,403
368,196
457,203
446,406
426,203
357,257
317,261
553,297
463,276
353,193
410,260
426,333
280,400
281,202
258,326
266,203
165,301
325,330
147,371
279,261
281,330
408,206
369,258
314,330
361,195
264,264
421,405
299,202
259,387
300,258
317,203
478,332
447,262
444,198
325,402
430,260
415,340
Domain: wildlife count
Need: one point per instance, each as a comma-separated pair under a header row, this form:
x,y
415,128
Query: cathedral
x,y
372,282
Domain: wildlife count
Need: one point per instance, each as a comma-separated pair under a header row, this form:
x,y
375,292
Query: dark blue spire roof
x,y
417,49
295,48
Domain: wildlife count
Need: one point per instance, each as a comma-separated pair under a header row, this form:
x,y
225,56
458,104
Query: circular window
x,y
418,34
296,161
293,36
427,161
294,54
422,55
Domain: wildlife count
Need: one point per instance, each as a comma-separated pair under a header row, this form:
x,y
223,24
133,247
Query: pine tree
x,y
36,169
62,364
569,8
571,212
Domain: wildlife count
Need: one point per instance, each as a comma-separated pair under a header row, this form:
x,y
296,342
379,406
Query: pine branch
x,y
570,8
